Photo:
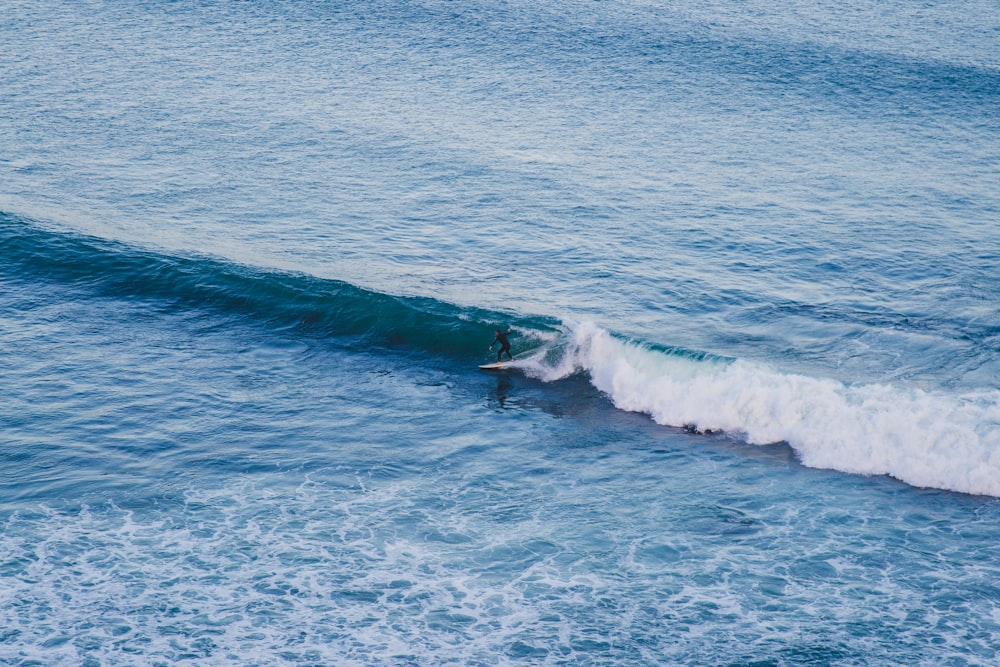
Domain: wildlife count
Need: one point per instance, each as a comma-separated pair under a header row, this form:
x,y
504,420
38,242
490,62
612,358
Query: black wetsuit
x,y
504,345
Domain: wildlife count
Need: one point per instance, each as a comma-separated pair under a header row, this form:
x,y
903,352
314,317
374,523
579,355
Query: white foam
x,y
924,438
256,576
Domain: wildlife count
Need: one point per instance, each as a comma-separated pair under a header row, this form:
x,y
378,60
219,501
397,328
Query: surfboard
x,y
496,366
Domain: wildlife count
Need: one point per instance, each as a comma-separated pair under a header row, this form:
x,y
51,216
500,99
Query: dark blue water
x,y
252,254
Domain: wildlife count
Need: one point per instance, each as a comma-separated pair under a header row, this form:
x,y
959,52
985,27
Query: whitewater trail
x,y
924,438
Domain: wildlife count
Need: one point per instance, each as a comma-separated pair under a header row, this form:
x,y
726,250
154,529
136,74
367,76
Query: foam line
x,y
924,438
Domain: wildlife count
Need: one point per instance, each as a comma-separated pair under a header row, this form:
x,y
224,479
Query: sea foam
x,y
924,438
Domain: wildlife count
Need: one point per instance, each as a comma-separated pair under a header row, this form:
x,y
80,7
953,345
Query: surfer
x,y
504,345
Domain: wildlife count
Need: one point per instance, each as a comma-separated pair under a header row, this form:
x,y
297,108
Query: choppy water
x,y
251,255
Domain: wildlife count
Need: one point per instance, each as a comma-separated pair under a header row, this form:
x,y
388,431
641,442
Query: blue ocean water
x,y
252,254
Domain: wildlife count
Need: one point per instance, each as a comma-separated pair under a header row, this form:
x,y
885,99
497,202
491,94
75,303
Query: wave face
x,y
304,304
924,438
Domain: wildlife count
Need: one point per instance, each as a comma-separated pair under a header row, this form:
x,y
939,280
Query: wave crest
x,y
924,438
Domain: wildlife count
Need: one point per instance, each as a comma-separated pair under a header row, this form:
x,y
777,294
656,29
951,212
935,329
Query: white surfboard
x,y
496,366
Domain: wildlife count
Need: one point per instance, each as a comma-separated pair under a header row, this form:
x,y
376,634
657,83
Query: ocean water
x,y
252,254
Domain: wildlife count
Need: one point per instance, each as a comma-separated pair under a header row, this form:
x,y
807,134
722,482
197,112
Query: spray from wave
x,y
926,439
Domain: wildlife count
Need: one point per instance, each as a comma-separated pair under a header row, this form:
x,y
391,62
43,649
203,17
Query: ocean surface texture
x,y
252,255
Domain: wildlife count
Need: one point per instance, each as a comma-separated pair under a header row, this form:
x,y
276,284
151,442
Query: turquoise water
x,y
253,253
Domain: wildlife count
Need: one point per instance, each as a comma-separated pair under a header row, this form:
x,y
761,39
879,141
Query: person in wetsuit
x,y
504,345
